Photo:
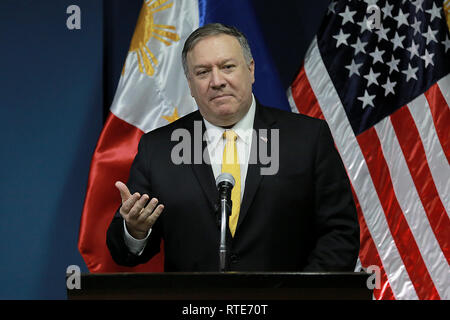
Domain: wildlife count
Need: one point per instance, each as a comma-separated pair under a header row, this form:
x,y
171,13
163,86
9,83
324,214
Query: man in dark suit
x,y
292,210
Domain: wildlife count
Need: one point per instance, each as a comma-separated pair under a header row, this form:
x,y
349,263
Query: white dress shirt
x,y
215,143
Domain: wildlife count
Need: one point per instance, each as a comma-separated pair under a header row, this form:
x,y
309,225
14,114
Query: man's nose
x,y
217,79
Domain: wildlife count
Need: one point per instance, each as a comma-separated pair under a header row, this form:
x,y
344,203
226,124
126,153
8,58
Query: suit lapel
x,y
202,170
261,125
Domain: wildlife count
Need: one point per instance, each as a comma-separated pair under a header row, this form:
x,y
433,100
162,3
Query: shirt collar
x,y
243,127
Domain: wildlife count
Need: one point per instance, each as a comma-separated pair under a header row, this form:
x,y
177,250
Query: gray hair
x,y
214,29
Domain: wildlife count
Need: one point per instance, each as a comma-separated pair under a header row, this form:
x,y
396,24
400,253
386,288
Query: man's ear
x,y
189,84
251,68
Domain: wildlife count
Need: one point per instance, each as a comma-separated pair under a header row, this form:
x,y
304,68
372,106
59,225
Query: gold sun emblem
x,y
147,29
173,117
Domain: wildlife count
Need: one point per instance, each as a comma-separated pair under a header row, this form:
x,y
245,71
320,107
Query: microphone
x,y
225,183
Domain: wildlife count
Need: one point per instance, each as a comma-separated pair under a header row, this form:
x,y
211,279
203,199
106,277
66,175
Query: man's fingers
x,y
155,215
123,189
149,209
129,204
137,207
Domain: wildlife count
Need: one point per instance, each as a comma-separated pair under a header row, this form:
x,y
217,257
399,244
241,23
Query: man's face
x,y
220,80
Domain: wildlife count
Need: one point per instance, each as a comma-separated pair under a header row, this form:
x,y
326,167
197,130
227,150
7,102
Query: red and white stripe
x,y
400,174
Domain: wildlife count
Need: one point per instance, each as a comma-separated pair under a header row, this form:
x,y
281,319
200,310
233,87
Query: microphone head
x,y
225,177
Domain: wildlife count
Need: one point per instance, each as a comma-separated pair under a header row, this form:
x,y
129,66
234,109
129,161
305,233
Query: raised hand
x,y
139,215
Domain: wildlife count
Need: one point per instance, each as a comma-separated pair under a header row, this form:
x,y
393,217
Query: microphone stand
x,y
225,182
223,233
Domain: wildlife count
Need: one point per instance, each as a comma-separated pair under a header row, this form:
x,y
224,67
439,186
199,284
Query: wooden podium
x,y
224,286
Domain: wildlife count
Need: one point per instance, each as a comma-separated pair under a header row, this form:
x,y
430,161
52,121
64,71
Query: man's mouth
x,y
221,96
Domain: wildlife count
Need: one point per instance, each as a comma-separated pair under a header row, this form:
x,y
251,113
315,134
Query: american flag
x,y
379,73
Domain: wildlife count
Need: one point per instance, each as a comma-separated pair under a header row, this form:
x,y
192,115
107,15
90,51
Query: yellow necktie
x,y
230,164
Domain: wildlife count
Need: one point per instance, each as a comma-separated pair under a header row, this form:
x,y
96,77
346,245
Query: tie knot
x,y
230,135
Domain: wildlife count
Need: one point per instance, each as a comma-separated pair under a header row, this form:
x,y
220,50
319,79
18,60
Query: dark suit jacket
x,y
301,219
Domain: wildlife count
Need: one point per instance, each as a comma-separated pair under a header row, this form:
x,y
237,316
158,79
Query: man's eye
x,y
229,66
200,73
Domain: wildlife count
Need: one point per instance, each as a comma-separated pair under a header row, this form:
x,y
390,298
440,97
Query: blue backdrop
x,y
56,86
